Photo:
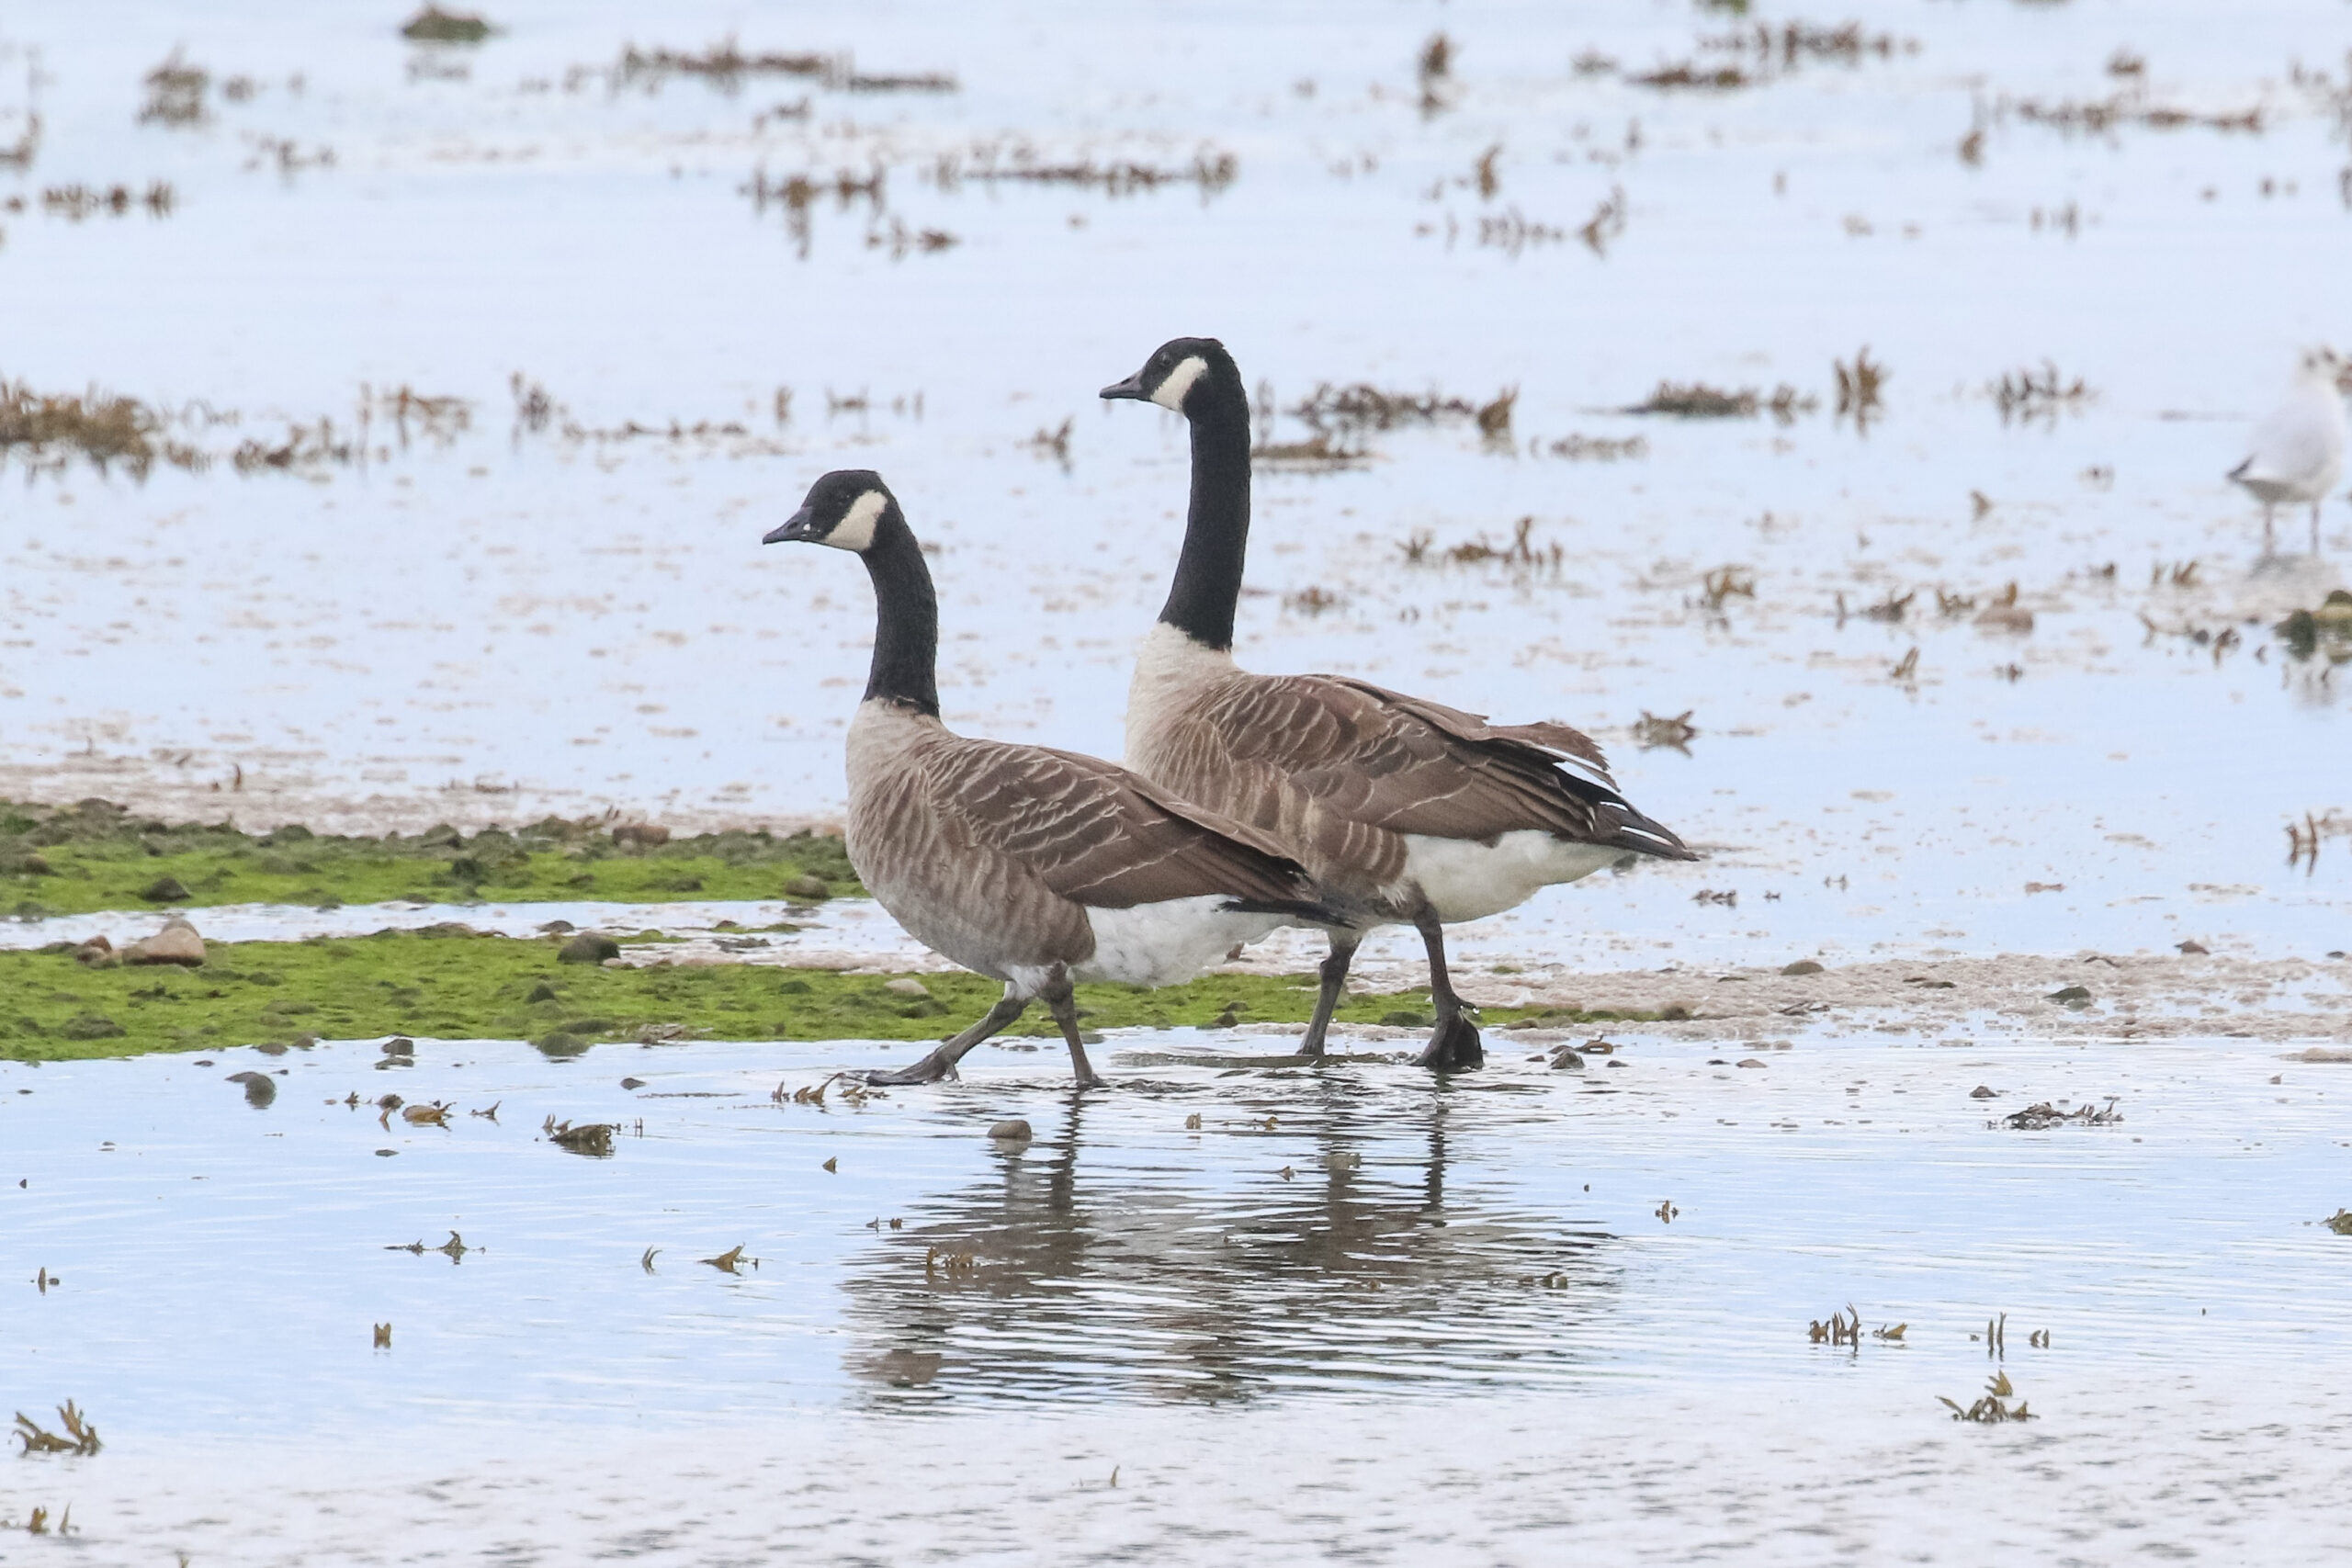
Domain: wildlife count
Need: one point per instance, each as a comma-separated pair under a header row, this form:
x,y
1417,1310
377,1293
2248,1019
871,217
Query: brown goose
x,y
1406,811
1031,866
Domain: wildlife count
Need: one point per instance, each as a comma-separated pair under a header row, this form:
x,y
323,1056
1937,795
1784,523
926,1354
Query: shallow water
x,y
1327,1252
1459,1328
507,622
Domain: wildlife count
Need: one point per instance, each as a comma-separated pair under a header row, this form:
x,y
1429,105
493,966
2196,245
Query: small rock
x,y
97,953
260,1087
386,1154
2196,948
91,1026
1748,1061
632,1083
810,889
834,1164
2076,997
399,1046
558,928
175,943
542,992
640,835
1983,1092
906,986
588,947
165,890
1801,966
1565,1057
1013,1131
560,1045
1673,1013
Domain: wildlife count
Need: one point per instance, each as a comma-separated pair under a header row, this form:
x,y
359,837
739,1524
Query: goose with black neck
x,y
1035,867
1405,811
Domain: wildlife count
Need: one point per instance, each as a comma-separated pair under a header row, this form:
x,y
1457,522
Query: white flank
x,y
1169,666
855,530
1159,944
2298,450
1169,394
1466,880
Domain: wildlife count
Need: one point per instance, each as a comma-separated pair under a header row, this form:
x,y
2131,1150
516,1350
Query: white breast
x,y
1170,667
1466,880
1160,944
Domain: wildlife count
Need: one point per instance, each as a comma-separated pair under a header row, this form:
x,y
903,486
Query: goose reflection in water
x,y
1118,1272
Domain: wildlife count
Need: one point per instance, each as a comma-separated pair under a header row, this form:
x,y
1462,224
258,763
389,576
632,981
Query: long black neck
x,y
1216,532
906,619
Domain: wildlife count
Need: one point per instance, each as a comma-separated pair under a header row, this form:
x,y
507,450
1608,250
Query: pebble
x,y
1801,966
588,947
97,953
906,986
644,835
175,943
165,890
1013,1131
260,1087
810,888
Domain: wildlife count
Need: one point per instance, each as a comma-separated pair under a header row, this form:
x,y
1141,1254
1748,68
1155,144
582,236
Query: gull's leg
x,y
2315,529
1455,1043
940,1064
1327,1000
1064,1003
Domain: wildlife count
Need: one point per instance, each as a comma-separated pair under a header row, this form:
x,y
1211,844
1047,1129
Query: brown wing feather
x,y
1408,765
1101,836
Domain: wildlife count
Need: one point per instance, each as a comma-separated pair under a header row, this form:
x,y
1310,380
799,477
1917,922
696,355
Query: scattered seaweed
x,y
1696,399
1597,449
723,64
1522,553
593,1139
1607,222
2042,1116
1845,1330
1993,1406
1795,43
1321,452
176,92
1857,389
1211,170
78,1438
433,25
48,431
1362,406
75,202
2099,116
2026,395
1433,69
1651,731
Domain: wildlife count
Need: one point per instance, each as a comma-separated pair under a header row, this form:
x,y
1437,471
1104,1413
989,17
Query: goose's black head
x,y
844,510
1183,373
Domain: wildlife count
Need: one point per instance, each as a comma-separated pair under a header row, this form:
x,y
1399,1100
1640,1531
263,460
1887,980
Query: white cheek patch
x,y
1170,392
855,530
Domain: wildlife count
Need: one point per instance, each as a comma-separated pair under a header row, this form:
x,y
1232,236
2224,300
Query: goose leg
x,y
1455,1043
2269,528
2315,530
940,1064
1064,1003
1326,1002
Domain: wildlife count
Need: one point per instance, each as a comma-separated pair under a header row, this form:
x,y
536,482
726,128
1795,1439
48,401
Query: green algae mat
x,y
94,856
453,986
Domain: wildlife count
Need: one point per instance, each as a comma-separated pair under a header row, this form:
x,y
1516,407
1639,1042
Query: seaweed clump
x,y
50,430
433,25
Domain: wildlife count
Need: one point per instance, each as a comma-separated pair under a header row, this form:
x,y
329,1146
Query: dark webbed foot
x,y
1453,1047
934,1068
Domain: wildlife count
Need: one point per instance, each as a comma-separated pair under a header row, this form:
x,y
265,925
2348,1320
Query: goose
x,y
2299,447
1406,811
1031,866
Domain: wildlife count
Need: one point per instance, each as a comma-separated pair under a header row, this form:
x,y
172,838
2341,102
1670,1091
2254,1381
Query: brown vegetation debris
x,y
2028,394
102,427
1696,399
174,93
2040,1117
433,25
1318,451
1993,1406
1651,731
723,63
1858,388
592,1138
80,1436
1597,449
